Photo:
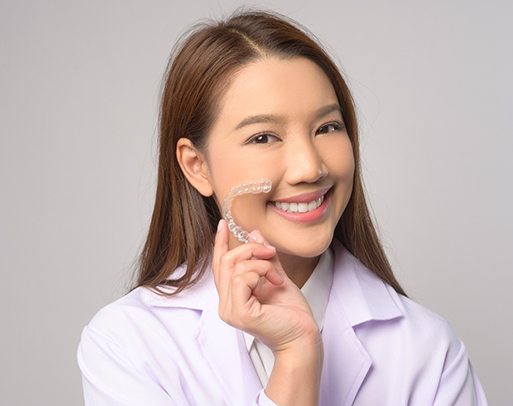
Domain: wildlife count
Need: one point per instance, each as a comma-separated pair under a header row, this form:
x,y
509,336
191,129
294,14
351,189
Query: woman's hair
x,y
183,223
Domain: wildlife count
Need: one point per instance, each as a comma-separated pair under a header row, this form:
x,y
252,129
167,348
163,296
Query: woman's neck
x,y
298,269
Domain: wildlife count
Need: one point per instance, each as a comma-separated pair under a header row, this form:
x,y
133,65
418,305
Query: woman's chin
x,y
304,249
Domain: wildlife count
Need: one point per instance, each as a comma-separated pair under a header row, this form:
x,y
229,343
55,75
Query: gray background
x,y
79,86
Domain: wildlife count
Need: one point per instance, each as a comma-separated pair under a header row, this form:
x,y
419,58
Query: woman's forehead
x,y
276,88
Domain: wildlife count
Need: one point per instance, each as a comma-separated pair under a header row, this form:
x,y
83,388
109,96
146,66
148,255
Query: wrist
x,y
308,341
296,375
304,350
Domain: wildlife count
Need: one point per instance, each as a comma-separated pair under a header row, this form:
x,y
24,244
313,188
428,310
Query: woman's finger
x,y
242,305
220,247
230,259
224,259
263,268
257,236
248,251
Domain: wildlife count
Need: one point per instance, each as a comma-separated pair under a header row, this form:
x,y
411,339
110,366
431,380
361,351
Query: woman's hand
x,y
256,296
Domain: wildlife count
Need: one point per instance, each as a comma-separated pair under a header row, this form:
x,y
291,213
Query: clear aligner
x,y
262,186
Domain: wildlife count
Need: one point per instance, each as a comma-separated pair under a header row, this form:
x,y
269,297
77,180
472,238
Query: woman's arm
x,y
458,385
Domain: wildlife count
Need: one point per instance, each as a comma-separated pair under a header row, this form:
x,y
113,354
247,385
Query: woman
x,y
308,311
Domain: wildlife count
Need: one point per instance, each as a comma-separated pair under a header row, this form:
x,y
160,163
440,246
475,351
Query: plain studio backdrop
x,y
79,94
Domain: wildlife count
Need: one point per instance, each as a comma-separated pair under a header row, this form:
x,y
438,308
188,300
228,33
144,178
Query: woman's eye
x,y
328,128
262,139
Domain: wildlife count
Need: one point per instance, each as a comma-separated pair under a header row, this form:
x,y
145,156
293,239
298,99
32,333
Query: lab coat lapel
x,y
222,345
224,349
346,362
356,296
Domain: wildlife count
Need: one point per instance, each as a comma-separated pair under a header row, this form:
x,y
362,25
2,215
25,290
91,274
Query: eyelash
x,y
252,140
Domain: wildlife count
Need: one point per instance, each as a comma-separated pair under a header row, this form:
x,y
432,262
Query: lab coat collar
x,y
360,293
198,297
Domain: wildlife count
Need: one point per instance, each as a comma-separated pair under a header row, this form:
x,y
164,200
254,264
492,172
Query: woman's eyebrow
x,y
270,118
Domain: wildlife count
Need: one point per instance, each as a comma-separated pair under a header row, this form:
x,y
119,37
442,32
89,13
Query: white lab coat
x,y
380,348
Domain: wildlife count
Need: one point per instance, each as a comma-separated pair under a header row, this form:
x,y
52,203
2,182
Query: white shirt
x,y
316,291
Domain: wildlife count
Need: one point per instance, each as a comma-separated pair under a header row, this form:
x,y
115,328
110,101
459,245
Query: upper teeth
x,y
299,207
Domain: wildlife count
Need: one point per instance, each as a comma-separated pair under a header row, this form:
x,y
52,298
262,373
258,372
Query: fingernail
x,y
219,225
255,236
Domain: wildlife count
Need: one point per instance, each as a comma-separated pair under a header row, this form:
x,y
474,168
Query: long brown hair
x,y
183,222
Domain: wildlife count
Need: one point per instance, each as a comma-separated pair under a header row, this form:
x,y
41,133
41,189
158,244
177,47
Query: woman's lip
x,y
308,217
304,197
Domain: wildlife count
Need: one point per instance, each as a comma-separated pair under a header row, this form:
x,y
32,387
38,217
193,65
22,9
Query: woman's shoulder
x,y
423,341
372,304
420,344
139,344
426,326
416,312
144,310
428,349
120,314
423,325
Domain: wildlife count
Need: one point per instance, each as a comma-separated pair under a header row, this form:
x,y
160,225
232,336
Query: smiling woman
x,y
301,146
308,311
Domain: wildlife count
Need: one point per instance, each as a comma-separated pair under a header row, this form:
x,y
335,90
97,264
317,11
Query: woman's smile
x,y
304,208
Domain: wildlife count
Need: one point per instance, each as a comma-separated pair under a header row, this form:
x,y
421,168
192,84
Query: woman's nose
x,y
304,162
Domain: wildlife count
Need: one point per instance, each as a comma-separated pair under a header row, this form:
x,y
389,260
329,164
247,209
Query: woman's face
x,y
280,120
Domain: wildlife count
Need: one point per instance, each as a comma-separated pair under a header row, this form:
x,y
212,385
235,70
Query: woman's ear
x,y
194,166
